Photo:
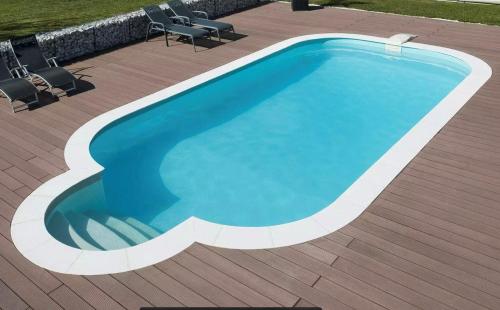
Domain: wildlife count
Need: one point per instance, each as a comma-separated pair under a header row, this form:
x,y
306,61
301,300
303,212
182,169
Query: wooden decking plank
x,y
26,166
302,303
365,289
16,149
46,166
455,234
315,252
9,300
464,198
6,210
22,286
42,133
434,214
436,267
146,290
23,192
172,287
412,188
89,292
397,291
300,273
68,299
119,292
9,182
456,287
212,293
230,285
286,282
402,277
473,177
40,277
433,253
23,177
33,150
339,238
482,192
347,297
482,264
10,196
244,276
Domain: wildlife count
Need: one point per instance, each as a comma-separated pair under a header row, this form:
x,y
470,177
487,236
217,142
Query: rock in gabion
x,y
7,56
224,7
73,42
137,25
205,6
111,32
68,43
242,4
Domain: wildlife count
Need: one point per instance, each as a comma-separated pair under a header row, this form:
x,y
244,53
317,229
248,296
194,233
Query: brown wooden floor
x,y
431,240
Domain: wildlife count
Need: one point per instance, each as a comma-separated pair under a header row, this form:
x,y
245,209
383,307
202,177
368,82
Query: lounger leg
x,y
192,41
218,34
74,85
52,92
12,106
166,37
147,33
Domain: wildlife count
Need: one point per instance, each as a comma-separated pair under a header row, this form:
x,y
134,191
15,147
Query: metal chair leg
x,y
74,85
12,106
147,33
192,41
218,34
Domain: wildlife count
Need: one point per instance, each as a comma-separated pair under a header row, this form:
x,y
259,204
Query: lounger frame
x,y
205,16
11,101
33,76
157,26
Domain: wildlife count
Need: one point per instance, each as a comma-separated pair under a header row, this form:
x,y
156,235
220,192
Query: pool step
x,y
145,229
62,229
128,232
95,232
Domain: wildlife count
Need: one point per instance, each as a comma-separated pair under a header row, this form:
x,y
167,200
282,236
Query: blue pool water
x,y
271,143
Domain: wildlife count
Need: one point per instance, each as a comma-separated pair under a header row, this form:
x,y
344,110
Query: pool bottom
x,y
31,237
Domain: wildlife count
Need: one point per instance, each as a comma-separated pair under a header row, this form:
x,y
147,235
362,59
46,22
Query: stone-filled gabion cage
x,y
72,42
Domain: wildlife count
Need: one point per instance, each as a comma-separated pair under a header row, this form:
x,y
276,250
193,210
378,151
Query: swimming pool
x,y
279,147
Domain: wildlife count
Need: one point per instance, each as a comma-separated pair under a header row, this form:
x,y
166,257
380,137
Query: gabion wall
x,y
73,42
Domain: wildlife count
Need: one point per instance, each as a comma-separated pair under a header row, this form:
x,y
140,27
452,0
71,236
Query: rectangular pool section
x,y
278,148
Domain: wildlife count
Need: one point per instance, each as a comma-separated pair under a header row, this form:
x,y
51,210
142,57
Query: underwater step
x,y
65,233
122,228
143,228
95,232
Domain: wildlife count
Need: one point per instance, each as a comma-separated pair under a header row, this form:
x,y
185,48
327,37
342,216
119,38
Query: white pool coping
x,y
31,238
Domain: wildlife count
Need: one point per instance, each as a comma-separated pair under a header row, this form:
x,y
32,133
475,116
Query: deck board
x,y
431,240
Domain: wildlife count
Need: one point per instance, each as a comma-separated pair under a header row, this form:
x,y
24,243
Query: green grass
x,y
468,12
22,17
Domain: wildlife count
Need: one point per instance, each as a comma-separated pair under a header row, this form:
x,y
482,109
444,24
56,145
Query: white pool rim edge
x,y
31,238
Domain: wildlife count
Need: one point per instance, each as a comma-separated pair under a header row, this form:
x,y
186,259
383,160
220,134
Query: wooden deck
x,y
431,240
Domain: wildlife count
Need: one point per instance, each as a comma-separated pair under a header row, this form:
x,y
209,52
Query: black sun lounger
x,y
15,88
181,10
161,22
29,56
